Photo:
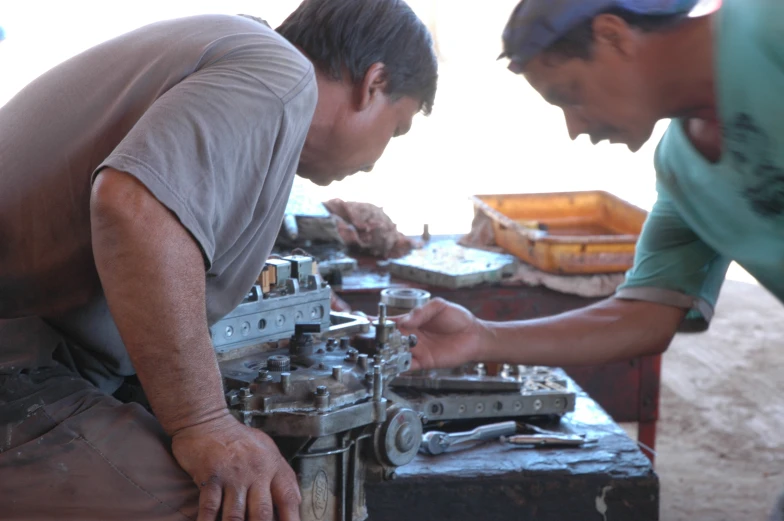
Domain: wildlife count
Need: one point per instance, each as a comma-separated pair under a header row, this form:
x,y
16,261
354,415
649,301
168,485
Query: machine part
x,y
468,393
294,295
452,266
329,390
397,440
436,442
323,400
400,301
279,363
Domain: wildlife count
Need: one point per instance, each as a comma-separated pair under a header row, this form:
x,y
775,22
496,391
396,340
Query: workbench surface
x,y
610,480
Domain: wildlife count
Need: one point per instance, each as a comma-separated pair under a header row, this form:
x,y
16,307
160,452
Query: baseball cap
x,y
535,25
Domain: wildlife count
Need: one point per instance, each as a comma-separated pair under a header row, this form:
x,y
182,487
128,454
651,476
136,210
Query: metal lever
x,y
435,442
544,438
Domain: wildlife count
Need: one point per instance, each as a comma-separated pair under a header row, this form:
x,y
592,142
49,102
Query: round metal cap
x,y
279,363
404,298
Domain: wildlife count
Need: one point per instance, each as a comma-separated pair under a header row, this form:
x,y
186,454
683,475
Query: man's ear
x,y
372,87
614,33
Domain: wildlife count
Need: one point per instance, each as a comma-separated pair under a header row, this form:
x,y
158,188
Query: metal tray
x,y
566,232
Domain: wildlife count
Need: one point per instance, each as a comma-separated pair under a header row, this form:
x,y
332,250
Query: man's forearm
x,y
153,276
610,331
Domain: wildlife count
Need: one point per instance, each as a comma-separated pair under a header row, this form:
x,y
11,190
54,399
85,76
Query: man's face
x,y
359,138
604,97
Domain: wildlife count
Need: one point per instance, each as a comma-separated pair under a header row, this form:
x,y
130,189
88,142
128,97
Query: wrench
x,y
435,442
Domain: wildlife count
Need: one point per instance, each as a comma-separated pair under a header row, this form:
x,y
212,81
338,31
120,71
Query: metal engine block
x,y
327,387
322,398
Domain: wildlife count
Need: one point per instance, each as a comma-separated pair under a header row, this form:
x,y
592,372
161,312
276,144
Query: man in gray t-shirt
x,y
142,185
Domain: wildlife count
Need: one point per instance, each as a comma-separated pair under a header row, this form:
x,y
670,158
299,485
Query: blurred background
x,y
489,132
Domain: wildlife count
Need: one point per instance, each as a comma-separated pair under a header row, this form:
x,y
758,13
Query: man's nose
x,y
575,123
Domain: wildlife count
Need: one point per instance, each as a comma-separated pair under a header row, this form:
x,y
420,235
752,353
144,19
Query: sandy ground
x,y
721,434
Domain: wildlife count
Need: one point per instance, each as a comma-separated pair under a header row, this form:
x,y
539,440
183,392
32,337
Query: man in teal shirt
x,y
615,68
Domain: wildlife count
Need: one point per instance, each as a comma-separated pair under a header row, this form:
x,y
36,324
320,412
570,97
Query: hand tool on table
x,y
544,438
436,442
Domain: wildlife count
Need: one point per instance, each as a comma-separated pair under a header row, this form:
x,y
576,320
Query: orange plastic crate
x,y
583,232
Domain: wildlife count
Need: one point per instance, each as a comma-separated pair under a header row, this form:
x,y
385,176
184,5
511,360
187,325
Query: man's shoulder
x,y
759,23
242,42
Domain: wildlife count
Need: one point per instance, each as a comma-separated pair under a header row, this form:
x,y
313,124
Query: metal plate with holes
x,y
260,319
476,405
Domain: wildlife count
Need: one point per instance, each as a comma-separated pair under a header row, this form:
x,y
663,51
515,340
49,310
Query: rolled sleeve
x,y
674,267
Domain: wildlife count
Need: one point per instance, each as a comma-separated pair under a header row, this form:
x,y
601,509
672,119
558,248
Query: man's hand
x,y
239,471
448,335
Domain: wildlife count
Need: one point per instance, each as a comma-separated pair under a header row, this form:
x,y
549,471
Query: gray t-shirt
x,y
209,112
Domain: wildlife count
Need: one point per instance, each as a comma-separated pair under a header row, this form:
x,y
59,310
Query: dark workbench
x,y
629,391
610,480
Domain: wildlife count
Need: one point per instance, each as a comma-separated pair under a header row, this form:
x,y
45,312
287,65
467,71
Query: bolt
x,y
480,407
412,340
319,351
321,390
245,393
263,375
378,360
537,405
378,383
404,441
363,361
285,381
337,372
229,331
345,343
245,328
280,320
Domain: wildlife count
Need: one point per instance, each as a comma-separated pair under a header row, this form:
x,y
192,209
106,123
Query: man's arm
x,y
153,275
674,273
609,331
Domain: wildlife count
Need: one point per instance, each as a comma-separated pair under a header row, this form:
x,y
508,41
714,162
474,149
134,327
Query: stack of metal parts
x,y
334,392
470,393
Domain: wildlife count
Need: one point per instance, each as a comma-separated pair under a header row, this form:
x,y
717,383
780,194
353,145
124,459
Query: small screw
x,y
321,390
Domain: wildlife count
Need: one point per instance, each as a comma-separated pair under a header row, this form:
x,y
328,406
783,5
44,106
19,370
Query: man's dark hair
x,y
578,43
352,35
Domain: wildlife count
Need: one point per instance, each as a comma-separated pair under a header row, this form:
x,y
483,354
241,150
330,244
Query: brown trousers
x,y
70,452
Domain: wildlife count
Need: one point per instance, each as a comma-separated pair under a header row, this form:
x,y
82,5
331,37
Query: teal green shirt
x,y
709,214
